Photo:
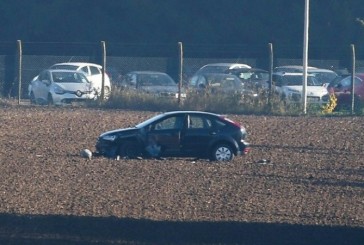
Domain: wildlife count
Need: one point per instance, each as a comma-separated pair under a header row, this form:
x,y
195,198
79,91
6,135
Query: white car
x,y
324,76
289,86
93,73
60,87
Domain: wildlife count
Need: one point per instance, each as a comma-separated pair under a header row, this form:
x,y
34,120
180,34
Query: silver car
x,y
153,82
60,87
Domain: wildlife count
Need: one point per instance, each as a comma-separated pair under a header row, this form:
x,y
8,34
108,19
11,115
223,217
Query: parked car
x,y
153,82
342,89
219,84
216,83
323,76
289,87
219,67
177,134
93,73
60,87
254,78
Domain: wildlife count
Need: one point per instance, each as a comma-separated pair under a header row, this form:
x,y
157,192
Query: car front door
x,y
197,135
167,134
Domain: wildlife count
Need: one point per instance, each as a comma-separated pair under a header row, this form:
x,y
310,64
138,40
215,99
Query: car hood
x,y
120,132
311,90
75,86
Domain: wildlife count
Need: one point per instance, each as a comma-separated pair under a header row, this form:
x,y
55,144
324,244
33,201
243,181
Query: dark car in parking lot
x,y
342,89
152,82
177,134
254,78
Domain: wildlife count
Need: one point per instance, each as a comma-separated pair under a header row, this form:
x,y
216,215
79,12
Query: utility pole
x,y
305,56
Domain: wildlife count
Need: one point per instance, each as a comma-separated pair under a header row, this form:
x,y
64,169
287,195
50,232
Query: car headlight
x,y
58,90
108,137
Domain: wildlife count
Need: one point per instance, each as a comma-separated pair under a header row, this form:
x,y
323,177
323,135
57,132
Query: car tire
x,y
107,93
50,100
222,153
129,150
33,101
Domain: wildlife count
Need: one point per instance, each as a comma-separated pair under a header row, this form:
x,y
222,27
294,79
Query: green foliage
x,y
219,103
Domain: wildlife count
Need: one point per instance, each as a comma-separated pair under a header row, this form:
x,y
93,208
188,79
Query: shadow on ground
x,y
50,230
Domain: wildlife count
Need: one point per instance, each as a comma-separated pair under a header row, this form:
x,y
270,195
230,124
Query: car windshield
x,y
64,67
68,77
213,69
155,80
296,80
149,121
223,81
324,77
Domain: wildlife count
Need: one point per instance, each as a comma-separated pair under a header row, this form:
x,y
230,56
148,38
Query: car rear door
x,y
198,134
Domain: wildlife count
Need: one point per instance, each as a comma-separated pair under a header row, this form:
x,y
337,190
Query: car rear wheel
x,y
129,150
32,99
222,152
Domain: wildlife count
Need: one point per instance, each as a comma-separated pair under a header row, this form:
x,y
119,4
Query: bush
x,y
219,103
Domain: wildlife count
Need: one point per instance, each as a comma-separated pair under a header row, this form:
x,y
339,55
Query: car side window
x,y
84,69
197,122
175,122
94,70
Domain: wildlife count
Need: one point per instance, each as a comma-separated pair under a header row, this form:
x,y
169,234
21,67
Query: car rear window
x,y
64,67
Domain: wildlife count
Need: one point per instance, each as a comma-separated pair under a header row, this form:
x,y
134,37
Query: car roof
x,y
295,67
63,70
248,69
283,73
230,65
309,68
146,72
78,64
191,112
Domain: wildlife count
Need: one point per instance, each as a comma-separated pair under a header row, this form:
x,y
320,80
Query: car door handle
x,y
213,133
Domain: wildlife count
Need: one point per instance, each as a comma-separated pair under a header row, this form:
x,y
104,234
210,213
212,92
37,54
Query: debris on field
x,y
263,161
86,153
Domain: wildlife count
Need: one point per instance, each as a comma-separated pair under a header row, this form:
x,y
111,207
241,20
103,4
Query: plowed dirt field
x,y
309,189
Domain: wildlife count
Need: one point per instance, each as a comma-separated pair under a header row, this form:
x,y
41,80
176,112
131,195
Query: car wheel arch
x,y
121,143
225,141
220,149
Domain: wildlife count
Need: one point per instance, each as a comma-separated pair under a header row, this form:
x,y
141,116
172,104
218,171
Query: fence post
x,y
20,54
180,70
103,47
270,46
352,87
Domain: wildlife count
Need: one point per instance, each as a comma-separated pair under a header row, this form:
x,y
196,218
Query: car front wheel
x,y
129,150
50,100
222,152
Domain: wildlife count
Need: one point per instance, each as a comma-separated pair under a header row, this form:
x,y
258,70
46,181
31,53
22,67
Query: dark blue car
x,y
177,134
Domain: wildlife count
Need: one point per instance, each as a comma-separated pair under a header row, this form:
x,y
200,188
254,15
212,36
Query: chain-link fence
x,y
123,58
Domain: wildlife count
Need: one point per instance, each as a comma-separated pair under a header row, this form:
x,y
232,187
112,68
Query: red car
x,y
341,86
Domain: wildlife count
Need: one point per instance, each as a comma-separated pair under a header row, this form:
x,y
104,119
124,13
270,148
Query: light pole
x,y
305,56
